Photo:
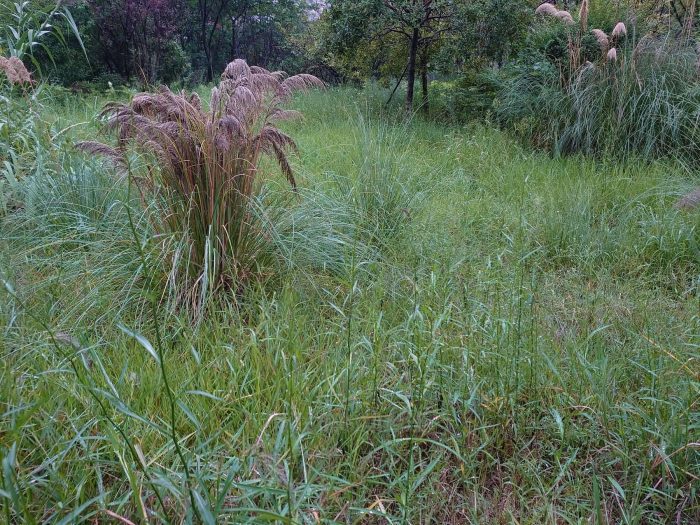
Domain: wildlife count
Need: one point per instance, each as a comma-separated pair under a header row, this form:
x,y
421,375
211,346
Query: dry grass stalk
x,y
688,22
689,201
583,15
15,70
208,160
602,38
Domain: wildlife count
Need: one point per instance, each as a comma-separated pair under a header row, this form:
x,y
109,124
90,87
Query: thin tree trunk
x,y
397,85
234,38
424,80
412,70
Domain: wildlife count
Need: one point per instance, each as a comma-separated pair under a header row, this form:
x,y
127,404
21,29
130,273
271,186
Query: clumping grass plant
x,y
609,93
206,168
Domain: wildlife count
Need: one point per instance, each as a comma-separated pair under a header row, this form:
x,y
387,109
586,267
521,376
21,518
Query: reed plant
x,y
611,93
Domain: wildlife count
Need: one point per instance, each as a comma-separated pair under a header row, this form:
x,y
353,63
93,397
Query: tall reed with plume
x,y
609,93
205,169
577,31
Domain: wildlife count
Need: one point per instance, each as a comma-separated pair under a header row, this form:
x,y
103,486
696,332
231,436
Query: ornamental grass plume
x,y
619,30
546,9
583,15
602,38
15,70
549,10
565,17
612,55
206,167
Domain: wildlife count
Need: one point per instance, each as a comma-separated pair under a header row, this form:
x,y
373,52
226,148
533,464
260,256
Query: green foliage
x,y
374,185
470,97
645,103
30,23
18,138
523,350
484,32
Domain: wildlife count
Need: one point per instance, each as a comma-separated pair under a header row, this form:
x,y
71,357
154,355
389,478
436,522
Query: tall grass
x,y
625,96
525,349
375,184
644,103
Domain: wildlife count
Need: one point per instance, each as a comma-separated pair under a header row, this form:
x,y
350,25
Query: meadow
x,y
455,329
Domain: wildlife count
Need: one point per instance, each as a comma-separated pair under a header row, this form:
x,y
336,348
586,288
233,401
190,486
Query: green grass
x,y
465,332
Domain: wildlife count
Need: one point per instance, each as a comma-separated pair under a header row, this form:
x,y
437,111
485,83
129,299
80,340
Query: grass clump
x,y
209,161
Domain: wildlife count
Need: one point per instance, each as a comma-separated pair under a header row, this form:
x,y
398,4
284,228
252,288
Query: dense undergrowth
x,y
602,82
456,330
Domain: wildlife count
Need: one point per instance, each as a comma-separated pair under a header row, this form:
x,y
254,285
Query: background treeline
x,y
558,77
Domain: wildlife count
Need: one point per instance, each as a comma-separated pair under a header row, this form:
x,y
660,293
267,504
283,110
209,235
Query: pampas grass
x,y
602,39
205,168
619,30
15,70
546,9
640,100
565,17
583,15
549,10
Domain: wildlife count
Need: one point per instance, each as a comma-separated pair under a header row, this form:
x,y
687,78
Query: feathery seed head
x,y
15,70
565,17
619,30
583,15
546,9
602,38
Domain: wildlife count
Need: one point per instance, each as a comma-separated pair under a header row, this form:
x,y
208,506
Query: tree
x,y
419,23
135,34
211,14
486,32
256,30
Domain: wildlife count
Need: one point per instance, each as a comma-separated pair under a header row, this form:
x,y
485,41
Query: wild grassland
x,y
460,331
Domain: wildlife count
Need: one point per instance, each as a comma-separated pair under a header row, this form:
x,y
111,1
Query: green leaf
x,y
145,343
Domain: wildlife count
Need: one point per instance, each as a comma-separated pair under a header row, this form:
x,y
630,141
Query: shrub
x,y
467,98
205,170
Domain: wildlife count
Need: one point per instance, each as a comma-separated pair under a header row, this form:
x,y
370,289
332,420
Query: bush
x,y
467,98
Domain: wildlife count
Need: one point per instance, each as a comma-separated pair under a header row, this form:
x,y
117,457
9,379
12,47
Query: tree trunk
x,y
412,70
204,41
234,38
210,67
424,80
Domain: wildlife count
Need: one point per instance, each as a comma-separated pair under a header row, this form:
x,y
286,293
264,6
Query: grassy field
x,y
460,331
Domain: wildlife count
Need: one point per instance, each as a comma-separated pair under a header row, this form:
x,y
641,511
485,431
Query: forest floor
x,y
512,339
